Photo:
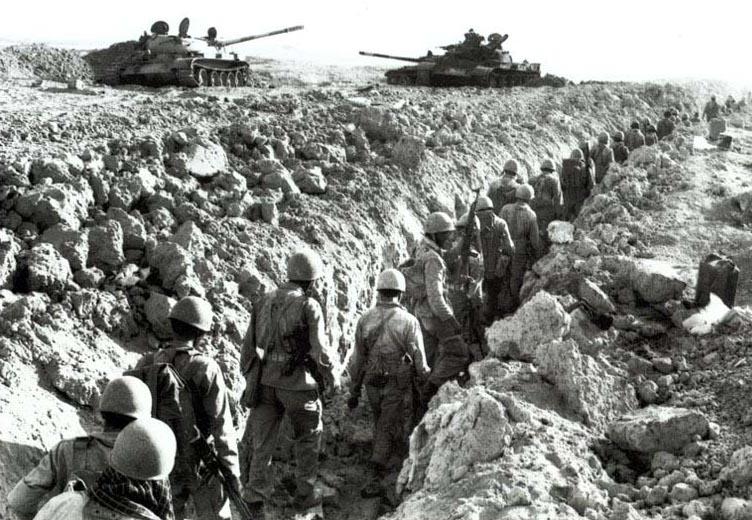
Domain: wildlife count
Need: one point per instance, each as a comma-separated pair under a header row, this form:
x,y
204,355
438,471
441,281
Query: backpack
x,y
173,402
415,280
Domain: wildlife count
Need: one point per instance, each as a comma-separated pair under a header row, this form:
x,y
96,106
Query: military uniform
x,y
523,227
603,156
433,309
711,110
634,139
497,247
576,185
502,190
466,299
78,505
82,458
651,138
388,359
621,152
214,420
548,201
282,322
665,127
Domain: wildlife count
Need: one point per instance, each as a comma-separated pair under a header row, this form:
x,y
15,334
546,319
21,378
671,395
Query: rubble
x,y
45,269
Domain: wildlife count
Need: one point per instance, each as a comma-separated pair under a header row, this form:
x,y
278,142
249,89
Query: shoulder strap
x,y
379,330
80,447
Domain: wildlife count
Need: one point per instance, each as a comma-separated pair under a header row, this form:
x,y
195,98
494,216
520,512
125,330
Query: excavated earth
x,y
114,203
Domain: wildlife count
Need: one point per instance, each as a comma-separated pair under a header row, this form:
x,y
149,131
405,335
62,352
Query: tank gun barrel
x,y
388,56
224,43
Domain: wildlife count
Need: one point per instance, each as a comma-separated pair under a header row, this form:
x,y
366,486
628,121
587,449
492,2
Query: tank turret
x,y
162,59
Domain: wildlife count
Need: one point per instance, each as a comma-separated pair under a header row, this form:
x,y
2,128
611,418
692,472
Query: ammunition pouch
x,y
386,369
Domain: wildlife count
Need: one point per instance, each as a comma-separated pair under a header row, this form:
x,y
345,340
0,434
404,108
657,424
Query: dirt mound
x,y
43,62
103,61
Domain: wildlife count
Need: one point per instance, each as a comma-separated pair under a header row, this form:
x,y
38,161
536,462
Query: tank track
x,y
203,76
505,79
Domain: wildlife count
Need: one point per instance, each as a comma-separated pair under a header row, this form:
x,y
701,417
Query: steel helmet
x,y
577,154
635,125
603,138
126,395
305,266
524,192
548,166
391,279
144,450
462,221
194,311
619,136
510,166
484,203
437,222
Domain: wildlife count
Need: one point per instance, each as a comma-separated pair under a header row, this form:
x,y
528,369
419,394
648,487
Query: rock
x,y
46,269
10,247
664,461
644,156
54,169
658,428
310,180
128,191
648,392
594,389
175,267
698,509
656,281
454,436
595,297
657,496
736,509
269,212
682,492
73,383
539,321
561,232
89,278
280,179
157,310
71,243
47,205
203,160
739,467
408,152
664,365
106,246
134,231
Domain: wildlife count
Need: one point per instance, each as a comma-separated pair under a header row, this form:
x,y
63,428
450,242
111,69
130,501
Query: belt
x,y
277,357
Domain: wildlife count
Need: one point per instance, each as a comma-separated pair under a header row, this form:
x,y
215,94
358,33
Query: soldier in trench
x,y
390,362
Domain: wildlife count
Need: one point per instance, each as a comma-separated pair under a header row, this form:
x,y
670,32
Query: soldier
x,y
124,400
502,190
712,109
577,182
497,249
651,137
287,337
635,137
666,125
603,156
134,485
621,152
523,227
549,201
465,289
191,319
730,104
390,361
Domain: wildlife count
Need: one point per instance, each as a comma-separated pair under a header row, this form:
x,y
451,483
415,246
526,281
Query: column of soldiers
x,y
424,330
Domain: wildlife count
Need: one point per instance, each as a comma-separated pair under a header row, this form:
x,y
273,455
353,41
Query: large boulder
x,y
735,509
594,296
128,190
46,269
541,320
658,428
561,232
280,179
50,204
452,437
739,468
134,231
656,281
202,159
174,264
71,243
106,246
592,388
310,180
157,310
10,247
54,169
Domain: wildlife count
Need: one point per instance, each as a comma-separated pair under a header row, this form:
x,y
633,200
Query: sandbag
x,y
718,274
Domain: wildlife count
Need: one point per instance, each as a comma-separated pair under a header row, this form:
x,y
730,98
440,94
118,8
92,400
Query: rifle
x,y
300,357
463,272
211,467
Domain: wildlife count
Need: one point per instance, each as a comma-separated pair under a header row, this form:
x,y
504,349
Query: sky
x,y
580,39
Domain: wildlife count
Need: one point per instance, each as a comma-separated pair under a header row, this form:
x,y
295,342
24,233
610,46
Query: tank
x,y
161,59
468,63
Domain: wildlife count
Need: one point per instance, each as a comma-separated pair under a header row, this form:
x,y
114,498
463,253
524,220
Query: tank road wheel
x,y
232,79
202,77
223,78
214,79
242,78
